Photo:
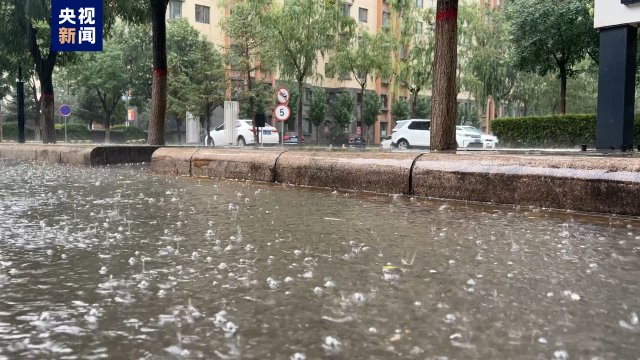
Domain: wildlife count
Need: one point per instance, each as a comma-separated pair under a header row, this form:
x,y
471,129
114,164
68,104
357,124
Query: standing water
x,y
118,263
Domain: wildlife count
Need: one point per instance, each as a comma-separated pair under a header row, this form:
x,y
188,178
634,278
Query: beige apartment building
x,y
206,16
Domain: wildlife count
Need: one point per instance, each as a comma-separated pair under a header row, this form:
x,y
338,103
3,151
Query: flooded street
x,y
119,263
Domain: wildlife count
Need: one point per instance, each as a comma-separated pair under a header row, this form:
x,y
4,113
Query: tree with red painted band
x,y
159,86
444,104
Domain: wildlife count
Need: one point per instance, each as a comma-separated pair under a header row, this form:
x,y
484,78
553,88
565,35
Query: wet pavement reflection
x,y
119,263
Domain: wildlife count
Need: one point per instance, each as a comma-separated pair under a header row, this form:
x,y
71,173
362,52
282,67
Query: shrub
x,y
130,132
74,132
10,132
550,131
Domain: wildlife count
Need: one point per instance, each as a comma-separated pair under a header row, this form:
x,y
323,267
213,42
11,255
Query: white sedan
x,y
386,143
243,135
488,141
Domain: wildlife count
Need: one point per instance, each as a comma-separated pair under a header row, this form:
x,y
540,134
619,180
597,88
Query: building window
x,y
363,14
329,72
383,129
386,17
175,9
346,9
307,95
202,14
420,4
385,101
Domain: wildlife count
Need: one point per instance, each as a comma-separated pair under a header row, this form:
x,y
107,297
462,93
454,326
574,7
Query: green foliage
x,y
468,114
400,110
550,131
363,56
301,31
423,108
10,131
74,132
371,108
108,84
343,111
552,36
416,69
130,132
546,34
489,70
207,80
262,94
183,45
247,27
318,108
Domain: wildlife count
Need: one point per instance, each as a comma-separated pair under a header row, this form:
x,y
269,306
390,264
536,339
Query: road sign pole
x,y
282,132
65,130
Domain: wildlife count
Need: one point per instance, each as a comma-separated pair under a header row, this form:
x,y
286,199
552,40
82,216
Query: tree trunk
x,y
563,90
299,115
159,87
38,104
317,135
107,128
252,109
208,125
414,101
48,111
360,119
179,123
526,109
444,110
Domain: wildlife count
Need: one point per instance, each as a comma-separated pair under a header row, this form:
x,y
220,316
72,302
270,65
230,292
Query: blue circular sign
x,y
65,110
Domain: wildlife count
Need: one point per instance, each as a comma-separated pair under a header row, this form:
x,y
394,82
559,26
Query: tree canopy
x,y
552,37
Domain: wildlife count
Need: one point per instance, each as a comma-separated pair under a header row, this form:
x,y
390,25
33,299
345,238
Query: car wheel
x,y
403,144
210,141
241,141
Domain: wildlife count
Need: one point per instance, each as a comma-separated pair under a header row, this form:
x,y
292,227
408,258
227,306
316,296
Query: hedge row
x,y
130,133
10,132
550,131
74,132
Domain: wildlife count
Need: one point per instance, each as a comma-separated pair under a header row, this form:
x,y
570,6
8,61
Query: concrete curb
x,y
586,184
384,173
78,154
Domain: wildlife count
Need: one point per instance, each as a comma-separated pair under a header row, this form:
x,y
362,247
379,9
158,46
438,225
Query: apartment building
x,y
206,16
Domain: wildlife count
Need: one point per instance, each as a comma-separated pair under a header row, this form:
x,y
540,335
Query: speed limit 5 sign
x,y
282,112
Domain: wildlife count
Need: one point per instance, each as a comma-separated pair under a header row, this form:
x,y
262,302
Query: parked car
x,y
417,133
349,140
243,135
488,141
291,138
386,143
468,139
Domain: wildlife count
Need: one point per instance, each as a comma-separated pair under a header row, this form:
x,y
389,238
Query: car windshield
x,y
472,129
400,124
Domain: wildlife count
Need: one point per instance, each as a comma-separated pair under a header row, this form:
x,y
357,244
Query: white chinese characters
x,y
77,28
67,16
87,35
87,16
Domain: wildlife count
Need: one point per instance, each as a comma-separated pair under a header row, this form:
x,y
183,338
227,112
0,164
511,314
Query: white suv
x,y
243,135
417,133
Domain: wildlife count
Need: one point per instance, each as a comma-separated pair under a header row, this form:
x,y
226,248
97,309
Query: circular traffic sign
x,y
283,95
65,110
282,112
